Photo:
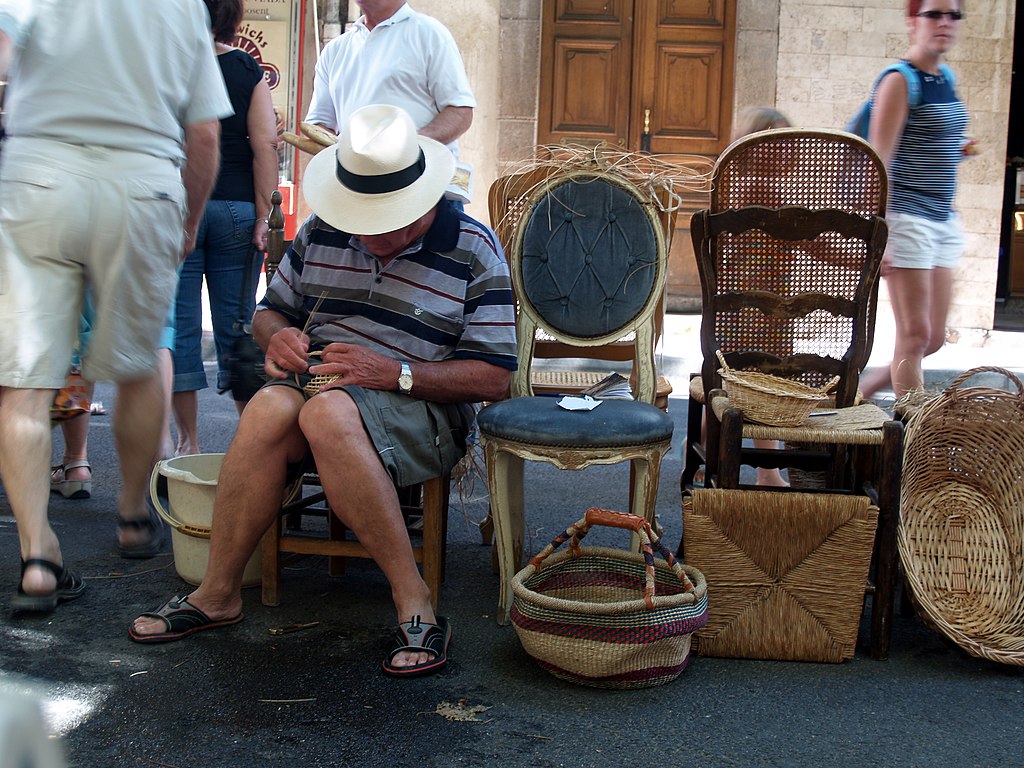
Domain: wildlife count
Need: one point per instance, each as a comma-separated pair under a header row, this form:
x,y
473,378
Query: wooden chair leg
x,y
691,456
435,514
887,567
270,563
505,482
730,440
335,532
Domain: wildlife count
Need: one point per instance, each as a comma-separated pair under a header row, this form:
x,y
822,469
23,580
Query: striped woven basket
x,y
608,618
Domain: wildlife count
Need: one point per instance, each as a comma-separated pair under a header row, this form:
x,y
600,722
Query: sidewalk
x,y
964,350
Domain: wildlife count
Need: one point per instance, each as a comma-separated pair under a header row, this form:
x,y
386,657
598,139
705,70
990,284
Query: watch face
x,y
405,379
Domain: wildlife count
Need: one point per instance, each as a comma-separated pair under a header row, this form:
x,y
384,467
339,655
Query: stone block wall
x,y
830,52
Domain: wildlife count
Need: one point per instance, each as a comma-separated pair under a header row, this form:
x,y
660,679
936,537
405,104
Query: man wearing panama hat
x,y
408,304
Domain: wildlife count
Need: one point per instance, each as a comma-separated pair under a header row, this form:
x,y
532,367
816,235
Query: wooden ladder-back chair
x,y
425,506
789,256
589,264
507,201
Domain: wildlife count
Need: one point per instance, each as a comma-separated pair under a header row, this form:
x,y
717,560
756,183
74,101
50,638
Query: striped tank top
x,y
923,172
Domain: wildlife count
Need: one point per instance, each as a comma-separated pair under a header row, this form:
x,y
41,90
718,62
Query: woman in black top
x,y
234,223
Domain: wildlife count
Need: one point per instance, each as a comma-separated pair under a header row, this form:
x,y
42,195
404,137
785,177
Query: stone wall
x,y
813,59
830,51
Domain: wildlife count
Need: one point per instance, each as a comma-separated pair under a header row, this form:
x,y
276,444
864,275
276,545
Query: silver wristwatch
x,y
405,379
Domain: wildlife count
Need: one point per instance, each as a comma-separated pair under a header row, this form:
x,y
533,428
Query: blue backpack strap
x,y
911,77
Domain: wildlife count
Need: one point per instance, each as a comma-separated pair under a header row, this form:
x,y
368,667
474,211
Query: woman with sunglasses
x,y
922,148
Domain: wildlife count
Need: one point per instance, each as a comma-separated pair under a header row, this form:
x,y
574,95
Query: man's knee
x,y
332,413
272,414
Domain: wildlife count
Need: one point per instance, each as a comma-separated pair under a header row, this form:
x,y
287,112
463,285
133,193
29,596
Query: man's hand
x,y
353,364
287,352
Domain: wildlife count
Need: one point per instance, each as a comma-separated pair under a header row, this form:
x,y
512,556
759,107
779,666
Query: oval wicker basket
x,y
961,530
769,399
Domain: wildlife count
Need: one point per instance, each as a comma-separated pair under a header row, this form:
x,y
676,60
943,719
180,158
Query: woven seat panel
x,y
540,421
556,382
786,572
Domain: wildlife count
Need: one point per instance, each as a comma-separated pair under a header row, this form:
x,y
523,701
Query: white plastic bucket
x,y
191,487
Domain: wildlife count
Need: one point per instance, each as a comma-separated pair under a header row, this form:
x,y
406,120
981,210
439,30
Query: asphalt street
x,y
240,696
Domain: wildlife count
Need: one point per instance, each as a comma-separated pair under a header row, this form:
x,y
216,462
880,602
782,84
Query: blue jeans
x,y
224,256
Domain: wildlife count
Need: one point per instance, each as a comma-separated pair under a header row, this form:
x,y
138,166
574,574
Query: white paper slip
x,y
573,403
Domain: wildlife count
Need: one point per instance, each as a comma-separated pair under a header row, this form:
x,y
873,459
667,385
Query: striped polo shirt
x,y
923,172
448,296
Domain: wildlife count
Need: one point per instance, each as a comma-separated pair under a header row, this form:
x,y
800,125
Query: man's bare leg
x,y
361,493
138,420
25,446
249,493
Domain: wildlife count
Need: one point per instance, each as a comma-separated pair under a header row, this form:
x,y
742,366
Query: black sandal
x,y
154,525
69,586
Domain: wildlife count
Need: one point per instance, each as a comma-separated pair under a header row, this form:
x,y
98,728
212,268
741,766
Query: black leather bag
x,y
245,360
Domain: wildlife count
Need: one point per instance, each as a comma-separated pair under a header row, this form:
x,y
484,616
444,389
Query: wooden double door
x,y
642,75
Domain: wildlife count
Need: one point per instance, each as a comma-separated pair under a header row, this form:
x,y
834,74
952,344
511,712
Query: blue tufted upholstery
x,y
539,421
589,258
588,262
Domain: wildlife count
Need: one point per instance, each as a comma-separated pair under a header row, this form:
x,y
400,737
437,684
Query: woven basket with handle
x,y
769,399
961,531
605,617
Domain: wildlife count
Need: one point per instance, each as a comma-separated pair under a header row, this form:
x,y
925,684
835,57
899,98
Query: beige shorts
x,y
72,216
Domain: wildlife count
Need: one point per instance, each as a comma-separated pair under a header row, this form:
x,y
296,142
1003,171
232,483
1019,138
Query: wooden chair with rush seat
x,y
425,506
789,257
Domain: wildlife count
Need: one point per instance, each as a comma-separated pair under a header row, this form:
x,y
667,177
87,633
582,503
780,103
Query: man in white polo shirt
x,y
112,116
394,55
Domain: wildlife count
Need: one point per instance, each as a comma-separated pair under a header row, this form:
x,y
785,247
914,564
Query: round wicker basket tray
x,y
769,399
961,529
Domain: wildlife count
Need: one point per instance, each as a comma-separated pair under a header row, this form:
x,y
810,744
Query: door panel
x,y
586,90
651,74
586,47
684,74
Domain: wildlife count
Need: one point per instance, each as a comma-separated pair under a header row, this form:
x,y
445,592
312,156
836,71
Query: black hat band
x,y
383,183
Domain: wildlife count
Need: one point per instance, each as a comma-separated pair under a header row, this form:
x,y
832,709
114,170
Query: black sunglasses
x,y
936,15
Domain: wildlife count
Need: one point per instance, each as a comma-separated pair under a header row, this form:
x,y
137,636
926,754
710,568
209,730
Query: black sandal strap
x,y
148,524
56,570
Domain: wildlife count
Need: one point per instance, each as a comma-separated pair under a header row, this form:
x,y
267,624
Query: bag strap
x,y
247,288
910,75
905,68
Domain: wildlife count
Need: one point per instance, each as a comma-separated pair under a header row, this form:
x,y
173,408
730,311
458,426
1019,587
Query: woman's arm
x,y
888,116
262,126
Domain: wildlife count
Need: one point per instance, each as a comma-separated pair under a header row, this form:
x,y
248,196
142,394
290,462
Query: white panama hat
x,y
380,177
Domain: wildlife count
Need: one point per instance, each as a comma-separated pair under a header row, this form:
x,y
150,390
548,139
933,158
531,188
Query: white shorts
x,y
74,216
919,243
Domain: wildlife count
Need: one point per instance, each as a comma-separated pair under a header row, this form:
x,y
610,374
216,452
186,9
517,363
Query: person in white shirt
x,y
112,116
397,56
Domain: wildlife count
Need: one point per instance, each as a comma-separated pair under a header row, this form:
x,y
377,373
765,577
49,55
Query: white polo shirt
x,y
409,61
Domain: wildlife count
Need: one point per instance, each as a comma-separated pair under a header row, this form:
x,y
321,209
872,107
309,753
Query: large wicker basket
x,y
769,399
961,531
605,617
